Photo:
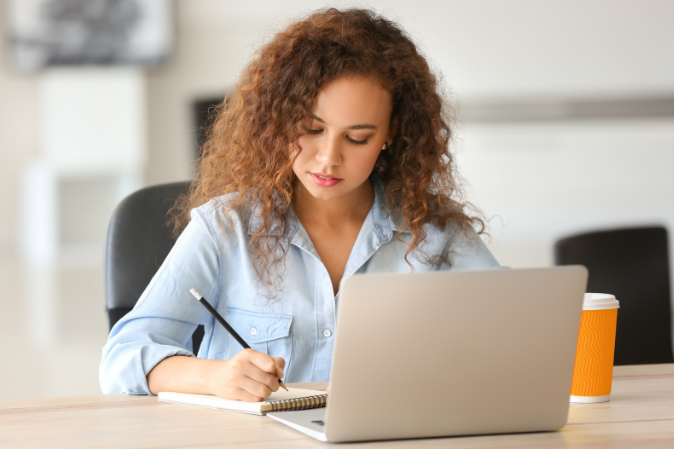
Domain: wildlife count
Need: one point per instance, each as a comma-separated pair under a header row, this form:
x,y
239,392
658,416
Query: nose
x,y
329,152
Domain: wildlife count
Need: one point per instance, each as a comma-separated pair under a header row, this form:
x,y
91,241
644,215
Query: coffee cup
x,y
593,370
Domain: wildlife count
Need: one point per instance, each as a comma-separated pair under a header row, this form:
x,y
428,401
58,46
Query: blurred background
x,y
566,125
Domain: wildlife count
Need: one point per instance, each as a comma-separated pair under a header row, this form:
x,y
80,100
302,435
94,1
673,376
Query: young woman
x,y
330,157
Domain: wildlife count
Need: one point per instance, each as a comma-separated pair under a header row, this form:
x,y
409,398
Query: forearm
x,y
248,376
182,374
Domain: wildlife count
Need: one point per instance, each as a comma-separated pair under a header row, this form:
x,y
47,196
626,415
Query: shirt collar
x,y
385,223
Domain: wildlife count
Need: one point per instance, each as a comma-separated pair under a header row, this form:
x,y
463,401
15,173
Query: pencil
x,y
224,323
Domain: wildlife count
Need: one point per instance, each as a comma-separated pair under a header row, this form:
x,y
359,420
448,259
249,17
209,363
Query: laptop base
x,y
310,422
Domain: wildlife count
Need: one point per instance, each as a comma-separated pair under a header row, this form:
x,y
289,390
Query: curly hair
x,y
248,150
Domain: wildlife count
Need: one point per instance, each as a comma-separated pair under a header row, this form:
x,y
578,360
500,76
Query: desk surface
x,y
640,414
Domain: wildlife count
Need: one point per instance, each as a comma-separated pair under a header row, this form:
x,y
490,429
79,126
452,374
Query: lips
x,y
323,180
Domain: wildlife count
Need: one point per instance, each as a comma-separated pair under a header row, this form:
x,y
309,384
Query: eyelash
x,y
353,141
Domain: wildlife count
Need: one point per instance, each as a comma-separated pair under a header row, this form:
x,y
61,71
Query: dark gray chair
x,y
138,242
633,265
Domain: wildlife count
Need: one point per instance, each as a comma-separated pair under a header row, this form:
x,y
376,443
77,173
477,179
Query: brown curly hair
x,y
249,153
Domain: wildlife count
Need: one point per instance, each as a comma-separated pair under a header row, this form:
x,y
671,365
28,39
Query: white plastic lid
x,y
599,301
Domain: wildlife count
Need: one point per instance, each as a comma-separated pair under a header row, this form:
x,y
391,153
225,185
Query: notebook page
x,y
215,402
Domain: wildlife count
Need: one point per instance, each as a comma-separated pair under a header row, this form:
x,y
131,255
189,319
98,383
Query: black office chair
x,y
138,242
633,265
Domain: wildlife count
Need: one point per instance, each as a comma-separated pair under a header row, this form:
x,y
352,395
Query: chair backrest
x,y
633,265
138,241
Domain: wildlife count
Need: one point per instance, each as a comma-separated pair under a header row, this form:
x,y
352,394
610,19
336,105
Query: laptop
x,y
450,353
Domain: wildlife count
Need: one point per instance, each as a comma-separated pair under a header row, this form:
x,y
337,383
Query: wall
x,y
543,181
18,139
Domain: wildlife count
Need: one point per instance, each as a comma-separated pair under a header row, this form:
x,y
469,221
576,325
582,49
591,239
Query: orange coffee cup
x,y
593,370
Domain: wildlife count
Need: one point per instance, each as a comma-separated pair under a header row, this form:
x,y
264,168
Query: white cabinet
x,y
92,123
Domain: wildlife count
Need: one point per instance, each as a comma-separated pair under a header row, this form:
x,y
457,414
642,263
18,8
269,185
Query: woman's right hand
x,y
248,376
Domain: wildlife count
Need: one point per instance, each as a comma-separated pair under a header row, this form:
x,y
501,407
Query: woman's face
x,y
349,128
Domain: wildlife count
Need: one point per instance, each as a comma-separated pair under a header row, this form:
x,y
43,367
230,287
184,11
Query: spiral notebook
x,y
279,401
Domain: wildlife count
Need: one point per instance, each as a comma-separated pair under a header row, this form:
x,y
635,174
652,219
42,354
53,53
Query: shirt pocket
x,y
268,333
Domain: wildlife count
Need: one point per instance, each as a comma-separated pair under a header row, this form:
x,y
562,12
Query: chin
x,y
326,194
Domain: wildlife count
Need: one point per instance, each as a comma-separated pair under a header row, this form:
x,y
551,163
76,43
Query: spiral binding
x,y
299,403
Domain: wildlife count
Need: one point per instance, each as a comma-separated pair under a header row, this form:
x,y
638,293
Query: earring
x,y
385,147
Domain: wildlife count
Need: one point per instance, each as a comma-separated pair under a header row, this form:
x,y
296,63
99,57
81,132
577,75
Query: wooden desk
x,y
640,414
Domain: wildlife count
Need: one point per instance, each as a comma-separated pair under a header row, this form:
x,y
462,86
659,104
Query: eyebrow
x,y
360,126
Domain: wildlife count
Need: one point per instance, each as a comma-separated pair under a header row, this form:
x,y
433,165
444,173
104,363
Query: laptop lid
x,y
454,353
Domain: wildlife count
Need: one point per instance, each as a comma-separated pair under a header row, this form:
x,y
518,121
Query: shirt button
x,y
253,331
327,333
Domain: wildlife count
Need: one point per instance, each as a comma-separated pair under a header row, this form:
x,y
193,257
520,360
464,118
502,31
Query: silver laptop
x,y
450,353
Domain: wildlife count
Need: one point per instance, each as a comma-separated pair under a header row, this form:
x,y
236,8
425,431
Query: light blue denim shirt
x,y
212,256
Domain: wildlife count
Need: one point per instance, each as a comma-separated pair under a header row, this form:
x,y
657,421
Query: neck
x,y
350,208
